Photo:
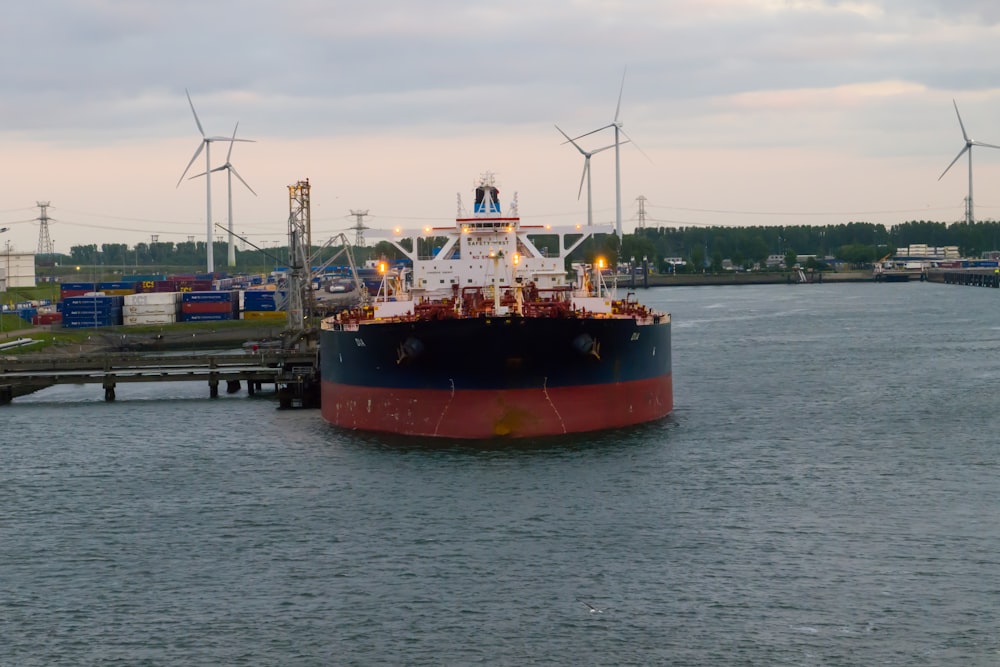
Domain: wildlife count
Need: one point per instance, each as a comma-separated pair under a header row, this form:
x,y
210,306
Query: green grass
x,y
10,322
41,292
66,337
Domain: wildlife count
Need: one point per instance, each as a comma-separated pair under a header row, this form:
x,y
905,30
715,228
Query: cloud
x,y
389,101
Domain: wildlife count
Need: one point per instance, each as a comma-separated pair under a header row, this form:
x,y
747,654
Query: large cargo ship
x,y
489,335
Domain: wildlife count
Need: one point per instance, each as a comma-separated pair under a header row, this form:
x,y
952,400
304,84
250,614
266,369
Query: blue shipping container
x,y
215,297
205,317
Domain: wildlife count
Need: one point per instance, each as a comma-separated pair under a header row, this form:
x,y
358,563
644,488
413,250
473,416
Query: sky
x,y
740,112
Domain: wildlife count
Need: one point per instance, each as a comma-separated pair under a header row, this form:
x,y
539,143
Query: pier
x,y
295,375
972,277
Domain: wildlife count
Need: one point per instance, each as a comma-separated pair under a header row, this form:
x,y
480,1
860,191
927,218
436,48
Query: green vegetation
x,y
10,322
854,242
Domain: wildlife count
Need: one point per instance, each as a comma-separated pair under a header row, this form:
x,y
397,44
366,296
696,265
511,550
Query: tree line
x,y
856,243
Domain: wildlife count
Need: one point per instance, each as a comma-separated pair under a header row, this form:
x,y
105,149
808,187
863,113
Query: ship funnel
x,y
487,199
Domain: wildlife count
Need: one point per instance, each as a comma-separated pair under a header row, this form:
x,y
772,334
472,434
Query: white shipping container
x,y
152,309
164,318
151,298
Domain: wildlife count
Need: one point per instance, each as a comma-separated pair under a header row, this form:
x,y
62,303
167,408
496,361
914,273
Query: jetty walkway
x,y
295,375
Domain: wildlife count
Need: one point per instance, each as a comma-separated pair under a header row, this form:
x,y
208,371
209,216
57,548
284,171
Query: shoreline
x,y
749,278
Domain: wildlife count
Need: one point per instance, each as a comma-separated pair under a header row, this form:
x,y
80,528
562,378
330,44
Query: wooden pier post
x,y
109,388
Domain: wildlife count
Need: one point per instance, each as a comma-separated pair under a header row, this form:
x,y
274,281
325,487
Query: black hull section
x,y
495,353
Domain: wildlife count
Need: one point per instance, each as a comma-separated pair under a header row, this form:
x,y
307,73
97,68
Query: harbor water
x,y
825,493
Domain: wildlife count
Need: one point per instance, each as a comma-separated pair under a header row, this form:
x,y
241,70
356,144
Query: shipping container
x,y
153,298
261,306
47,318
73,324
151,309
67,293
158,318
111,300
205,317
274,315
166,286
190,297
208,307
194,285
92,307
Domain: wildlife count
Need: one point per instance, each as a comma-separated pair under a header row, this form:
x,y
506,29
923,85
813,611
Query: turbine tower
x,y
967,148
205,145
230,172
586,174
619,132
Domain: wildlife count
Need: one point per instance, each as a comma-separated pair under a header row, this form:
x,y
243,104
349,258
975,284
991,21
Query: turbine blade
x,y
960,154
586,168
196,121
201,146
980,143
191,178
604,148
628,138
587,134
231,142
960,123
249,141
232,170
620,91
571,141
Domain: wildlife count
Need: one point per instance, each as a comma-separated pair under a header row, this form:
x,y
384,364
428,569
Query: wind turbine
x,y
586,173
969,143
205,145
230,172
619,132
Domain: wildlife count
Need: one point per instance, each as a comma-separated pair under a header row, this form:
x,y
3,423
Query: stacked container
x,y
263,305
148,286
74,289
117,288
152,308
192,284
96,310
48,314
208,306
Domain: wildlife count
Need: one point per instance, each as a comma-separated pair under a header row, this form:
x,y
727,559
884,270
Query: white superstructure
x,y
489,248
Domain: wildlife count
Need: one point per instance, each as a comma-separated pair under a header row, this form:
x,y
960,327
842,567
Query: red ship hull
x,y
489,413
